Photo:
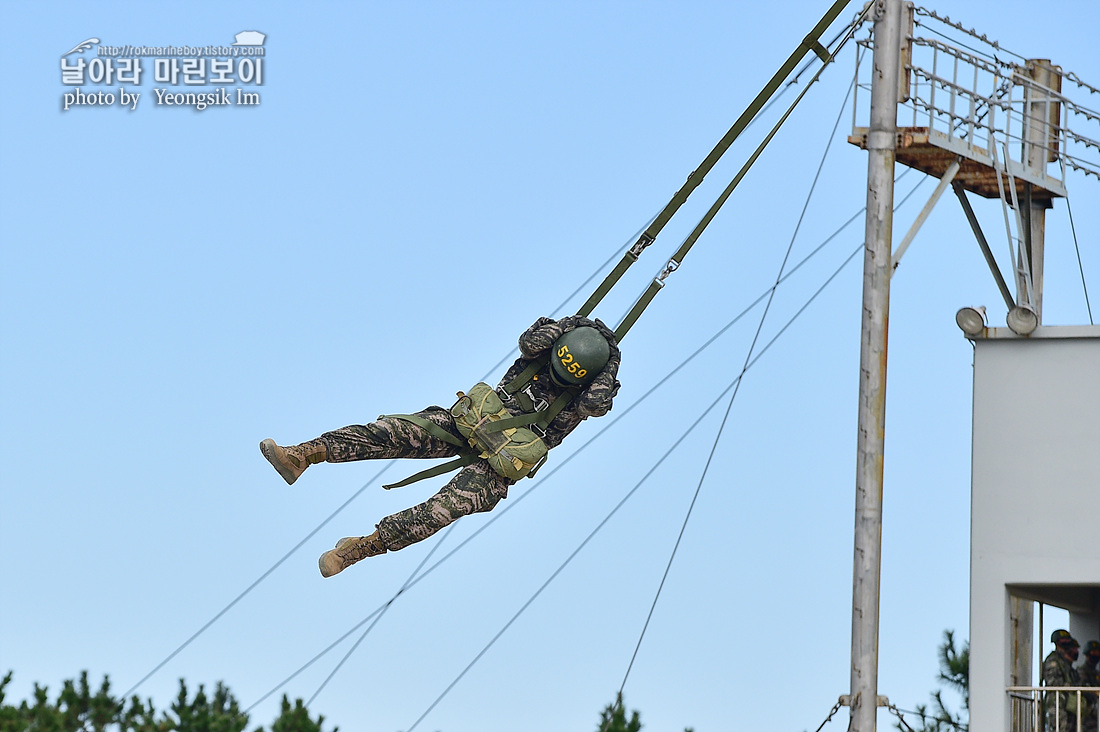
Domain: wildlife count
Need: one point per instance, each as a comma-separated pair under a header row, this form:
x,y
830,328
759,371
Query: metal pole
x,y
1041,144
881,148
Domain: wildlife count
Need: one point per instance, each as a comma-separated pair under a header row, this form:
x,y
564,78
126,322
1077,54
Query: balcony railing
x,y
1034,708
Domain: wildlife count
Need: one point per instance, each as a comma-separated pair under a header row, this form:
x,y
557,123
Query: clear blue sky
x,y
178,285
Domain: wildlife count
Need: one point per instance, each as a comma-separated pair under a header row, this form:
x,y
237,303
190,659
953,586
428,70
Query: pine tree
x,y
78,709
955,674
613,718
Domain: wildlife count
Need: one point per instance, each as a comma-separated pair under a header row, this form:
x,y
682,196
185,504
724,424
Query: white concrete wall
x,y
1035,480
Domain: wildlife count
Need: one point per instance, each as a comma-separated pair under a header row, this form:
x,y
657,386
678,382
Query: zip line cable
x,y
763,111
634,237
807,45
733,397
810,42
332,645
382,613
505,509
344,505
853,26
831,56
262,577
511,353
499,514
638,485
680,440
677,259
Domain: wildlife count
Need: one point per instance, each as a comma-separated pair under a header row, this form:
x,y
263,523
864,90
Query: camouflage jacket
x,y
594,401
1087,674
1057,671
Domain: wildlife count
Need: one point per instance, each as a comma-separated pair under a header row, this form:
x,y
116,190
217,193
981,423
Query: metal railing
x,y
1054,709
985,102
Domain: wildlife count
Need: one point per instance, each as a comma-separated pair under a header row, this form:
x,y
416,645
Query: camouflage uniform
x,y
1059,671
1089,675
477,487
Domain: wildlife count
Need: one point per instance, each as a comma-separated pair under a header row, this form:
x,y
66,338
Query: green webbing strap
x,y
543,418
810,42
639,306
524,376
605,287
559,404
466,453
519,421
437,470
677,258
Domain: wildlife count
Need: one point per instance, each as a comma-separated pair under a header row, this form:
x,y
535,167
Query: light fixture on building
x,y
1023,320
971,320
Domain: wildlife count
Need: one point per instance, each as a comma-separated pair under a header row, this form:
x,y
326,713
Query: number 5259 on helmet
x,y
578,356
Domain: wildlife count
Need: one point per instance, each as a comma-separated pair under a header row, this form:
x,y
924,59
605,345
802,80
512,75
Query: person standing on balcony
x,y
1058,670
1089,675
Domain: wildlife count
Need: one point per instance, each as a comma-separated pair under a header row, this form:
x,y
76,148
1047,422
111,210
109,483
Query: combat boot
x,y
349,551
293,460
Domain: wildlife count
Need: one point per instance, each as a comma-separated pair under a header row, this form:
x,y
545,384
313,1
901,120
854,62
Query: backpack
x,y
509,443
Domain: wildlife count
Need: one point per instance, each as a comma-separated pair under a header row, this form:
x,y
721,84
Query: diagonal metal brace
x,y
977,229
948,176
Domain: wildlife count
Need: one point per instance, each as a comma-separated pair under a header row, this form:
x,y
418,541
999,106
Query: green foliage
x,y
296,719
203,714
955,675
613,718
78,709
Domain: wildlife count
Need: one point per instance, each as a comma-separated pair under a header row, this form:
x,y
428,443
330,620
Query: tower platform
x,y
931,152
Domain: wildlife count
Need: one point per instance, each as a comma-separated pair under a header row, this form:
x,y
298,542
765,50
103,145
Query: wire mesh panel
x,y
1004,115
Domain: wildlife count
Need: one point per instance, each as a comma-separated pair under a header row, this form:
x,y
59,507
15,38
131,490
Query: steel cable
x,y
500,513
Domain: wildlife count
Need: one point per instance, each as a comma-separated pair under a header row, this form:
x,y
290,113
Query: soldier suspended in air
x,y
566,373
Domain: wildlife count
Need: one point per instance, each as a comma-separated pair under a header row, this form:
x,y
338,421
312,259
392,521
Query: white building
x,y
1035,482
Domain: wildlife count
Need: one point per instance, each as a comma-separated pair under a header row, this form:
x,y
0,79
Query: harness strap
x,y
524,376
466,456
521,420
526,403
446,467
809,43
674,262
559,404
467,453
542,418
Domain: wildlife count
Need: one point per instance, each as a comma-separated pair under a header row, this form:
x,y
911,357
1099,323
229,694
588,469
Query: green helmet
x,y
1092,646
1062,637
578,356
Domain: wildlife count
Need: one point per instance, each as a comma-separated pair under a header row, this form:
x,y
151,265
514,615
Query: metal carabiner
x,y
671,267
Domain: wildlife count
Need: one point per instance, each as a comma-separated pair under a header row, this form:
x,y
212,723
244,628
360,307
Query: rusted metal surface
x,y
933,152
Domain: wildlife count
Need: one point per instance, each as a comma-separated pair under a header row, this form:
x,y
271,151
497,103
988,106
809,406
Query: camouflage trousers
x,y
1058,716
476,488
